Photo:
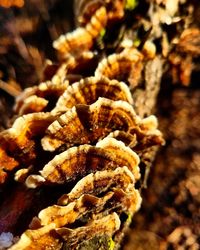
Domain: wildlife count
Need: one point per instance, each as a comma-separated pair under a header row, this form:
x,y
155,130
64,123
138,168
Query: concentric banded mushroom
x,y
35,99
87,124
82,38
88,90
18,147
78,161
94,135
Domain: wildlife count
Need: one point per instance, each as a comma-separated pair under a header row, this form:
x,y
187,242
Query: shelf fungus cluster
x,y
87,132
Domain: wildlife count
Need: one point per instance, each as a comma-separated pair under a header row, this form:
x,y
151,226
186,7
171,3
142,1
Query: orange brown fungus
x,y
140,137
125,66
35,99
85,9
106,225
99,181
78,161
56,221
91,130
7,163
11,3
17,146
87,124
88,90
82,38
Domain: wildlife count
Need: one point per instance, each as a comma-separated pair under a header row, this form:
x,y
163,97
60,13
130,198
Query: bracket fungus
x,y
89,210
82,38
18,143
88,123
89,137
78,161
124,66
35,99
88,90
85,9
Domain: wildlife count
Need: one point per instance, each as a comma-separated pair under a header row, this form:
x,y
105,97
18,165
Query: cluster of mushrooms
x,y
87,126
